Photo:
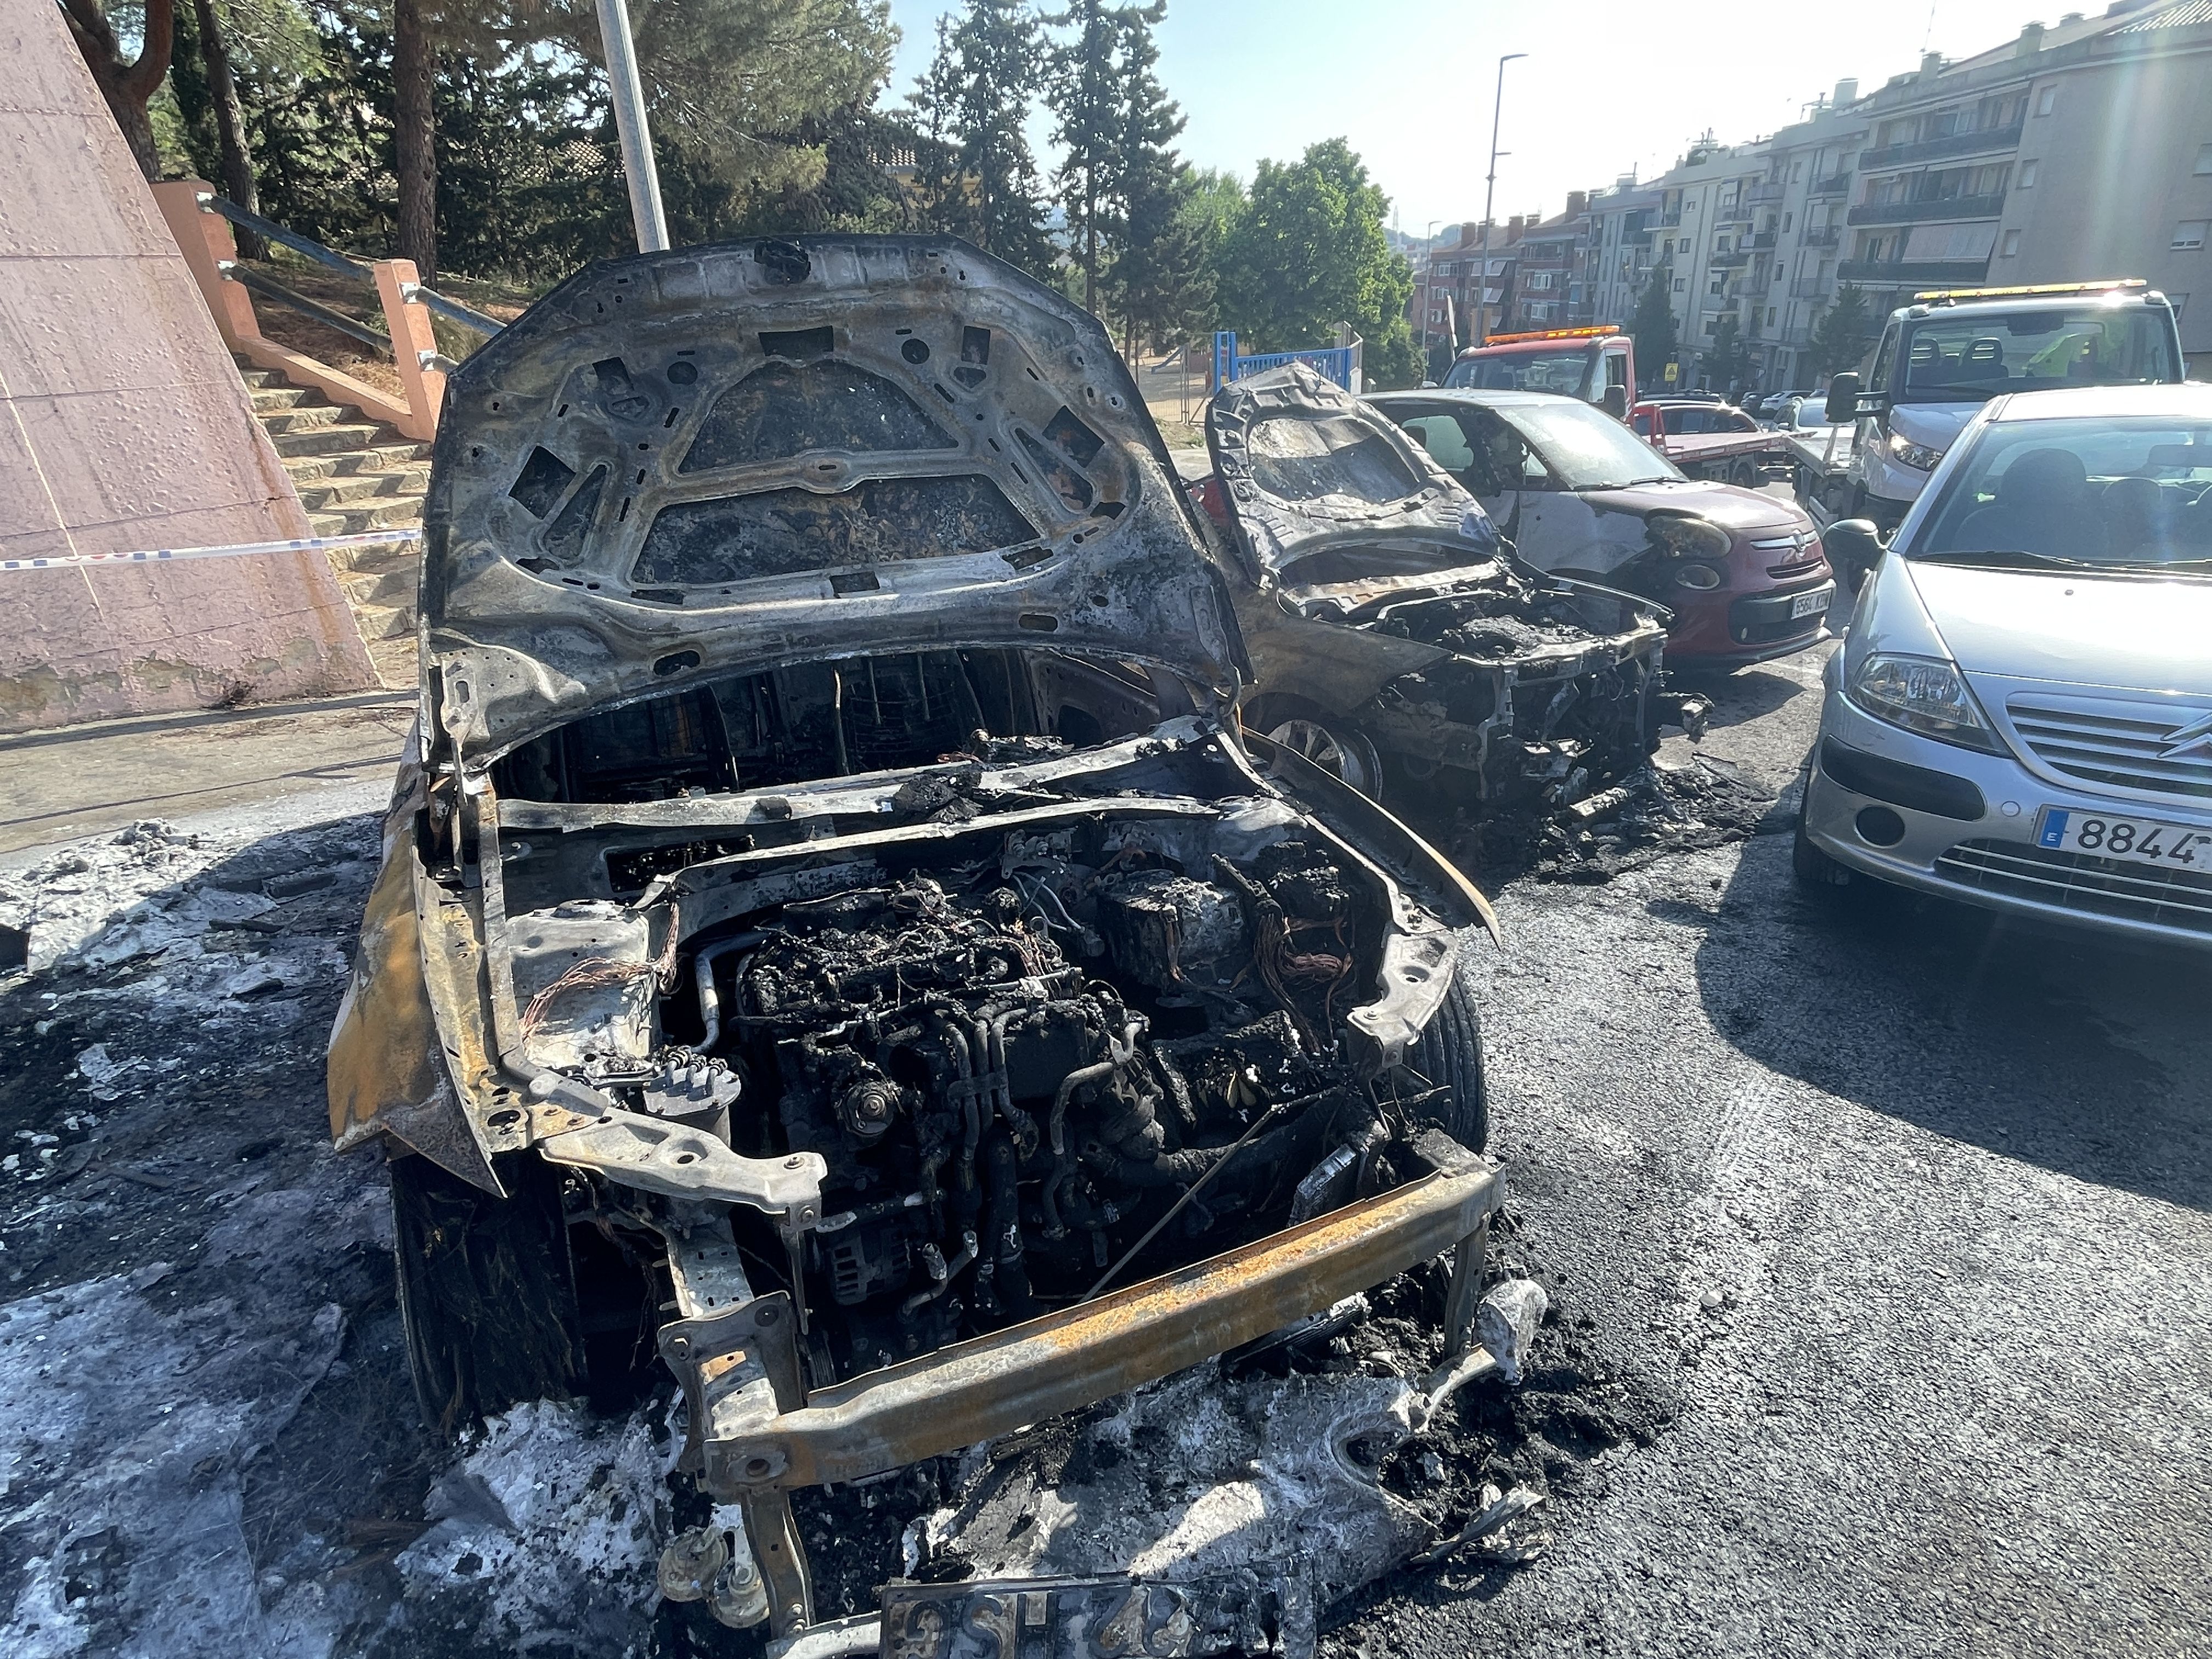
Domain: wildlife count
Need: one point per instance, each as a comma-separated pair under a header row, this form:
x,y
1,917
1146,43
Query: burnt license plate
x,y
1232,1612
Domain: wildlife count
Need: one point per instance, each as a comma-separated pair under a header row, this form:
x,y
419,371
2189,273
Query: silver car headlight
x,y
1926,695
1918,456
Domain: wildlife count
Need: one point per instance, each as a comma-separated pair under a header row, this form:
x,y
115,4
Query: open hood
x,y
724,459
1303,464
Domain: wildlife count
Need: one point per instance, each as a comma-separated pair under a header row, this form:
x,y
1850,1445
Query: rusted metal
x,y
990,1385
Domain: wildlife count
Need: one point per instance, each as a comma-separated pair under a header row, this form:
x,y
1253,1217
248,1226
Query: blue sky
x,y
1606,86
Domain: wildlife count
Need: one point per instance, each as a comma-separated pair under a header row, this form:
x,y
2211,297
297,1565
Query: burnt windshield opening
x,y
836,718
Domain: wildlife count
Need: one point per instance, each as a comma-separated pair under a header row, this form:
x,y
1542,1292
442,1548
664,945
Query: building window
x,y
2045,100
1680,283
1719,284
2204,160
2177,300
1786,218
2189,234
1770,316
2011,245
2028,175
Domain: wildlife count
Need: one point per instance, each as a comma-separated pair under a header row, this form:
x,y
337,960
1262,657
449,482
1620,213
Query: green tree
x,y
974,102
1728,360
1652,327
1159,273
1087,92
1841,335
1309,252
128,84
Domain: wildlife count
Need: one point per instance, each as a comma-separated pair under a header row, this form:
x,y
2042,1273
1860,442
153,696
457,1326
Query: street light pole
x,y
1428,275
1489,201
628,97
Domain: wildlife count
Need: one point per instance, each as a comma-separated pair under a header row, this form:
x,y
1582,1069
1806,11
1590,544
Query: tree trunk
x,y
230,124
413,75
1090,247
127,86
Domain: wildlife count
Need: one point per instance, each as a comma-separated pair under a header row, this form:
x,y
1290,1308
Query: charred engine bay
x,y
1109,1036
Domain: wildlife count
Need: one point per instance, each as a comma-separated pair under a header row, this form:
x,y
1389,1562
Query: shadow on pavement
x,y
2083,1056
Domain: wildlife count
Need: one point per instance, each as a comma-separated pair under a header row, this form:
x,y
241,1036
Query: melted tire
x,y
1448,1053
487,1292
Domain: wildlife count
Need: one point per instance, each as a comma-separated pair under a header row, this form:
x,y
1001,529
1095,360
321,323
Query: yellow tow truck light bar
x,y
1953,295
1599,333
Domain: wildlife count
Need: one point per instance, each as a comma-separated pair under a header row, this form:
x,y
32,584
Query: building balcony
x,y
1668,221
1760,195
1940,149
1915,270
1826,236
1836,185
1810,287
1914,213
1764,239
1734,261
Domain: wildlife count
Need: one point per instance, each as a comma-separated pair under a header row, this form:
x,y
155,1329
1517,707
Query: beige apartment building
x,y
2075,150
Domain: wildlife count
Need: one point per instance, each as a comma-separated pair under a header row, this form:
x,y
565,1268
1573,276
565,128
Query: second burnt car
x,y
1394,636
834,941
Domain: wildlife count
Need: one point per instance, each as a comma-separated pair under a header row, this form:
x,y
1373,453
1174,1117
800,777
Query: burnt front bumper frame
x,y
760,1435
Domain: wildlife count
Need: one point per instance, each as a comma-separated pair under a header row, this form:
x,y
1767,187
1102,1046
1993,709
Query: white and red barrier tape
x,y
171,554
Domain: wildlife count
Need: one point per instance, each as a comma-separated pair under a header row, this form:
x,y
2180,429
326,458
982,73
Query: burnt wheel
x,y
1448,1056
1334,745
487,1291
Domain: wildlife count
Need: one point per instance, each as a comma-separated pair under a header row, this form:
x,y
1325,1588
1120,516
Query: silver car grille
x,y
2079,881
2157,749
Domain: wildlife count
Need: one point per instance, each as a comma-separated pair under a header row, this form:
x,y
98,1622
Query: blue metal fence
x,y
1331,362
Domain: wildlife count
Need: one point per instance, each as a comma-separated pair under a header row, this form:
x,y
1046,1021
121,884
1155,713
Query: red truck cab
x,y
1579,362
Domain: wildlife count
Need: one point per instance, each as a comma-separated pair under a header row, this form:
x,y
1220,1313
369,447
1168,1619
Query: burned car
x,y
834,940
1395,639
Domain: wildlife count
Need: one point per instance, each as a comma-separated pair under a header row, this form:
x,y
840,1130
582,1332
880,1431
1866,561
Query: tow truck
x,y
1944,355
1595,364
1708,439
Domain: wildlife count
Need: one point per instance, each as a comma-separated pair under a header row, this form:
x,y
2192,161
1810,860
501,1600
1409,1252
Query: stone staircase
x,y
354,475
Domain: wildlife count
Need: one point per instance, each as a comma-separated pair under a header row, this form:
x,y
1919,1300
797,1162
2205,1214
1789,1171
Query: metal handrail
x,y
270,231
328,318
454,311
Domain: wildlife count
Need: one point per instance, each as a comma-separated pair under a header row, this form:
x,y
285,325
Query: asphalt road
x,y
1895,1218
1882,1228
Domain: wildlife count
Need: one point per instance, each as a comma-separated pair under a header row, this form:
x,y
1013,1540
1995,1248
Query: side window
x,y
1879,380
1616,368
1641,422
1743,422
1441,436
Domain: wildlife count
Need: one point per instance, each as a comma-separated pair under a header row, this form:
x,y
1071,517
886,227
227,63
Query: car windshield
x,y
1586,448
2122,491
1965,357
1525,371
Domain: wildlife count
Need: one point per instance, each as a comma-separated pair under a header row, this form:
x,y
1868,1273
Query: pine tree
x,y
1839,338
1652,327
1088,96
1160,265
976,99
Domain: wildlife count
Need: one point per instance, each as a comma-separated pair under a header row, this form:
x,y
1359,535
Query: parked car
x,y
1708,439
1770,408
1392,639
830,916
1579,495
2022,717
1940,357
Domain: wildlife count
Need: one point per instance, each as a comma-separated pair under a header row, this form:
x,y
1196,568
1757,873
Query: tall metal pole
x,y
1489,200
628,96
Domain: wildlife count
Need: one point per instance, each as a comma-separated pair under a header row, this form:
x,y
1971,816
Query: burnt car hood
x,y
683,465
1303,464
1722,504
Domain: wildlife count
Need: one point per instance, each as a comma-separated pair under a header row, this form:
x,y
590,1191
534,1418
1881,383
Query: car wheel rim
x,y
1347,758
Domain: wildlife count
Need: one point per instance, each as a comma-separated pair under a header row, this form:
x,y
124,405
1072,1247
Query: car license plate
x,y
1815,604
2133,841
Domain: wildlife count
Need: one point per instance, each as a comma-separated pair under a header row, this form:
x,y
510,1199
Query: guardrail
x,y
201,221
1337,363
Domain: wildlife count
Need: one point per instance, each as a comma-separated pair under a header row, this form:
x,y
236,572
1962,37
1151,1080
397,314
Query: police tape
x,y
237,550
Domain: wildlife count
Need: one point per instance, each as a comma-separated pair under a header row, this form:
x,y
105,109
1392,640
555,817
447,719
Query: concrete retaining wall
x,y
124,425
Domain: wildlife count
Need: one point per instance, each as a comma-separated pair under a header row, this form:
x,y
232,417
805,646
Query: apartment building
x,y
2078,149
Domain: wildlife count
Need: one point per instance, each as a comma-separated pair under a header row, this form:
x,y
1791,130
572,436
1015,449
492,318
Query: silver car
x,y
2022,716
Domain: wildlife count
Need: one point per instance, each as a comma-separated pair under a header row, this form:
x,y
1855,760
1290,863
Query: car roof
x,y
1500,398
2191,400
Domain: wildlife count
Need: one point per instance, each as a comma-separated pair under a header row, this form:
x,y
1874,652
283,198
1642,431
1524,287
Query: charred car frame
x,y
833,935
